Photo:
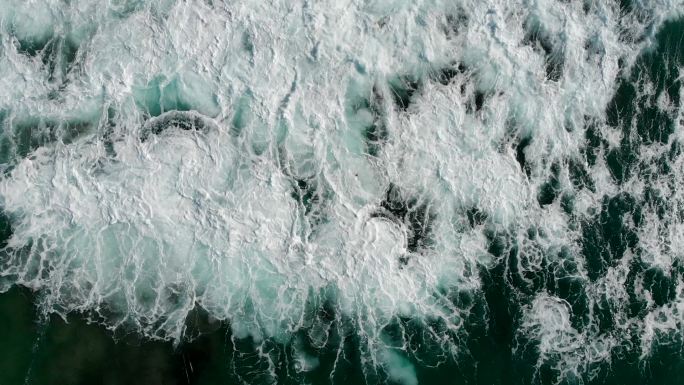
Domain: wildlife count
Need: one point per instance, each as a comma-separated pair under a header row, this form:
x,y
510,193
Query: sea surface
x,y
341,192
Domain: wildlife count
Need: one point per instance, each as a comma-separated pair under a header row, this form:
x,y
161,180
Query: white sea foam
x,y
140,228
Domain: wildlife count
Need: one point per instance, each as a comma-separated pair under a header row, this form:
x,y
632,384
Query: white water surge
x,y
164,155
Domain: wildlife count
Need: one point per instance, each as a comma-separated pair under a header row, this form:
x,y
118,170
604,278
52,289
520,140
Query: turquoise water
x,y
223,193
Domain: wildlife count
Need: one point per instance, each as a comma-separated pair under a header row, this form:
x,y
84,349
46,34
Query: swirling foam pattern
x,y
386,171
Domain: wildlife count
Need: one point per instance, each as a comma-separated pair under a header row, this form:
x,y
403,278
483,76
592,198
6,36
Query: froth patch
x,y
315,173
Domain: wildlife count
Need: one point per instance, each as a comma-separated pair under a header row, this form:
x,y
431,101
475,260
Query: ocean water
x,y
341,192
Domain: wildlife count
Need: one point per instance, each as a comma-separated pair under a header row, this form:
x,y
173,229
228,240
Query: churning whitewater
x,y
386,171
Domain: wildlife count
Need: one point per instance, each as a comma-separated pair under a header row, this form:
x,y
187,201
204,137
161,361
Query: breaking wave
x,y
403,175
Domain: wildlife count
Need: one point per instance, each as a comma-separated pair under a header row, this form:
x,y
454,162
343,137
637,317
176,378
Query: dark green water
x,y
52,351
38,349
